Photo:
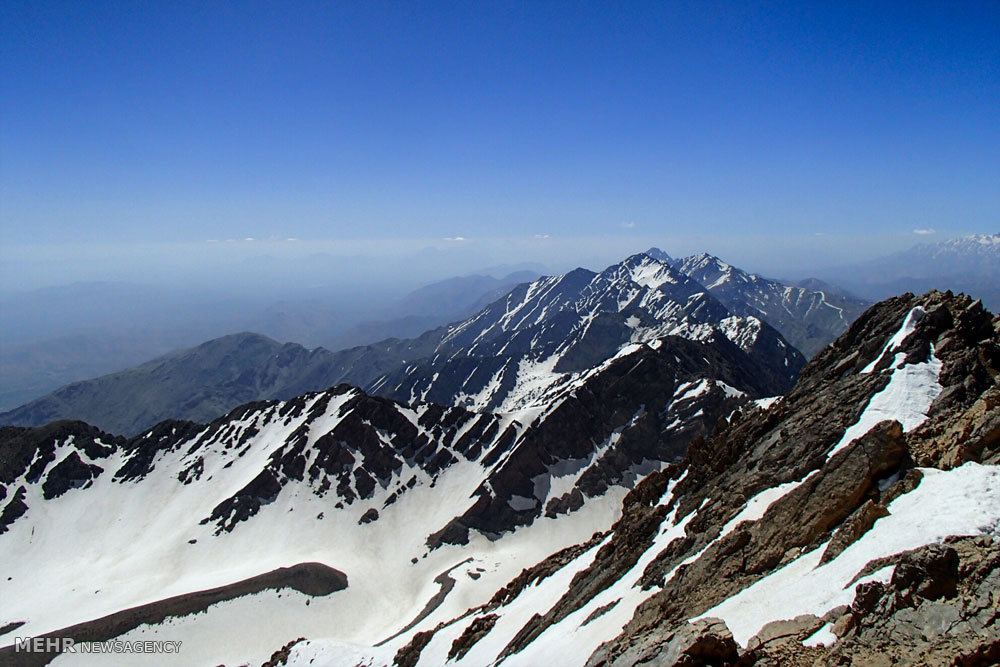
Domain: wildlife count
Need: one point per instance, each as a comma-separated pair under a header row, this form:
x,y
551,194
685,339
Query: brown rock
x,y
853,528
798,628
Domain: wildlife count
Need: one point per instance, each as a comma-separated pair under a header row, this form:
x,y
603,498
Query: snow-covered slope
x,y
807,531
808,318
643,497
382,505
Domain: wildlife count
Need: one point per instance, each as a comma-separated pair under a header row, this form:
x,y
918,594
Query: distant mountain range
x,y
519,349
968,264
433,305
517,352
117,326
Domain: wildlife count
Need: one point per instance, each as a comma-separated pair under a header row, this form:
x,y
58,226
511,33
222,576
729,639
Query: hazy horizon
x,y
276,266
147,143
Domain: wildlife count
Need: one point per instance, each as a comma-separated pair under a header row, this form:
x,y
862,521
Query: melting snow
x,y
650,273
822,637
907,398
757,506
765,403
909,326
963,501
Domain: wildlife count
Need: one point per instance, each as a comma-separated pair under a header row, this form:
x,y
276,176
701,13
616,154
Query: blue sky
x,y
184,123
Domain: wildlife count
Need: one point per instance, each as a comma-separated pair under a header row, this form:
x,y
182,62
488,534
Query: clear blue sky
x,y
181,122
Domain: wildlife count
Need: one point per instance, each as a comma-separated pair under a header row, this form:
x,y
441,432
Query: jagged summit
x,y
521,350
659,255
833,527
808,316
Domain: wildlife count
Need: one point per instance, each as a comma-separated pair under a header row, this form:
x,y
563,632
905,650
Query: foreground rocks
x,y
940,606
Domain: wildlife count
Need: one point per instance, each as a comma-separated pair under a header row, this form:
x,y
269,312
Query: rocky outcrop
x,y
280,657
940,608
838,498
410,653
70,473
479,627
832,492
704,642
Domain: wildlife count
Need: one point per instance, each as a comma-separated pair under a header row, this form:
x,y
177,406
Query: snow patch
x,y
962,501
907,399
909,326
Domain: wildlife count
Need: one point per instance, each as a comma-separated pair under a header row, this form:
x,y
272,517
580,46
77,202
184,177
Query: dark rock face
x,y
28,455
145,447
13,510
478,629
280,657
36,447
262,490
410,654
70,473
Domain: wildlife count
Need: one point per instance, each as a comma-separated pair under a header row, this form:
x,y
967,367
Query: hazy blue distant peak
x,y
658,255
987,245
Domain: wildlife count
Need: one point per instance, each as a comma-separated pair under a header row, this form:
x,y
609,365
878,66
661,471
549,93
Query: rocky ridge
x,y
808,317
866,476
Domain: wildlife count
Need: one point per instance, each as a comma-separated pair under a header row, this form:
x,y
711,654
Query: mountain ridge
x,y
582,320
458,537
808,315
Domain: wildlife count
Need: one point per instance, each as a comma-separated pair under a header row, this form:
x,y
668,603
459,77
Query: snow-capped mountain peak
x,y
808,318
542,336
983,245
